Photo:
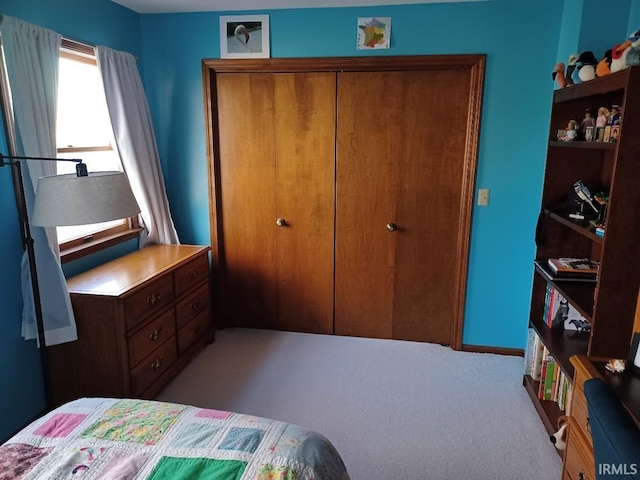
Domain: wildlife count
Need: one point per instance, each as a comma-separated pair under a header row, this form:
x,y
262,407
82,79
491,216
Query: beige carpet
x,y
394,410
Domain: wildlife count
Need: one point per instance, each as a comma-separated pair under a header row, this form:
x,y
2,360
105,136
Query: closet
x,y
341,192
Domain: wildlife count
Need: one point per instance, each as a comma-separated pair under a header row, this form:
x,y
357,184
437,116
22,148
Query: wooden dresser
x,y
140,319
578,458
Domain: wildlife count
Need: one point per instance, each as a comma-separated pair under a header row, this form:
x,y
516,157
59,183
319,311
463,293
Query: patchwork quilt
x,y
126,439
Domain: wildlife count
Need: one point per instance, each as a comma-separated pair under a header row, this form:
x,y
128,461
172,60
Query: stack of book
x,y
569,269
574,267
540,365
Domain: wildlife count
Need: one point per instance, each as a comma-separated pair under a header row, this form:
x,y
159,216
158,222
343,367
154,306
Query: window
x,y
84,131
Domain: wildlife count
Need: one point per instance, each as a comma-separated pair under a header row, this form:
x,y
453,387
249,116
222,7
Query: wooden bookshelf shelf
x,y
579,294
562,344
584,145
583,227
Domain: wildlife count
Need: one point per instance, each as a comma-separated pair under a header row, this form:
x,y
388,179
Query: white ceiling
x,y
175,6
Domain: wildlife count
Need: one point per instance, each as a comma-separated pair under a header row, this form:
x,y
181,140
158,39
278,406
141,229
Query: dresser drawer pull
x,y
588,425
582,475
157,364
195,305
155,335
153,298
195,273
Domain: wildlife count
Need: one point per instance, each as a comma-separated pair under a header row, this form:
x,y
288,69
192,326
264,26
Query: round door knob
x,y
281,222
392,227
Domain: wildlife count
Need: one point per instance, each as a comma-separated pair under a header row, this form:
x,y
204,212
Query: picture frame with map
x,y
374,33
244,36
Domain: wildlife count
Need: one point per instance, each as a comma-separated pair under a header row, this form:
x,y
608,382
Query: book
x,y
574,266
549,379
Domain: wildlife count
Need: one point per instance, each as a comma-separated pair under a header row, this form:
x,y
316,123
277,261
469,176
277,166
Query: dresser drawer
x,y
578,460
192,331
151,299
580,413
189,275
151,336
153,366
192,305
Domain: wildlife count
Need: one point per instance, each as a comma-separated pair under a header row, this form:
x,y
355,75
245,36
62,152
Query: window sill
x,y
93,246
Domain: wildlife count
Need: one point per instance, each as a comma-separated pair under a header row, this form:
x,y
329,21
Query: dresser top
x,y
126,273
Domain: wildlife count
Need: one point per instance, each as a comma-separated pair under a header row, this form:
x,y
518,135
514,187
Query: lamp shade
x,y
63,200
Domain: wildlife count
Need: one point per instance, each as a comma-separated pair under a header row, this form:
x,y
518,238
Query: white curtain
x,y
136,142
31,55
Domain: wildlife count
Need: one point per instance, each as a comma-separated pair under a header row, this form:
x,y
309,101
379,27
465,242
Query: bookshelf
x,y
609,303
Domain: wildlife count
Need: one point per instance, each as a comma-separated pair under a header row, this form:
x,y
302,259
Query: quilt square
x,y
60,425
16,460
210,413
135,421
242,439
194,435
175,468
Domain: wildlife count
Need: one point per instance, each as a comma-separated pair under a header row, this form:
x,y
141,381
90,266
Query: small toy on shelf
x,y
603,117
604,66
571,67
633,50
627,53
615,117
587,121
569,133
586,66
558,75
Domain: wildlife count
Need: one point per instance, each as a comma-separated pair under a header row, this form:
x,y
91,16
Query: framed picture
x,y
244,36
588,134
633,360
615,133
607,133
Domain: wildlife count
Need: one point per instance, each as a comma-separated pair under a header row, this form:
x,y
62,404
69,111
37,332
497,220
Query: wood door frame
x,y
475,63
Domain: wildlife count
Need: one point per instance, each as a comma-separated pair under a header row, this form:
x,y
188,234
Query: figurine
x,y
603,117
615,115
571,131
587,121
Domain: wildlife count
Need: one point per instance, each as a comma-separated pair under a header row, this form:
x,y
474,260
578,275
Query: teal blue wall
x,y
96,22
583,27
521,42
599,36
634,17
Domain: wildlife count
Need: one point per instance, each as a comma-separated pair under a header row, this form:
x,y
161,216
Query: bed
x,y
108,439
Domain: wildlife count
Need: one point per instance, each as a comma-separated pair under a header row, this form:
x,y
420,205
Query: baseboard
x,y
514,352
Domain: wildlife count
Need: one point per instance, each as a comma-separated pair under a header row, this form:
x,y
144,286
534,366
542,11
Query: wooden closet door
x,y
305,179
369,142
247,198
431,166
401,159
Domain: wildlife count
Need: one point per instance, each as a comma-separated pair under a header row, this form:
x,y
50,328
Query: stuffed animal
x,y
558,75
627,53
571,67
586,66
604,66
633,50
559,439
